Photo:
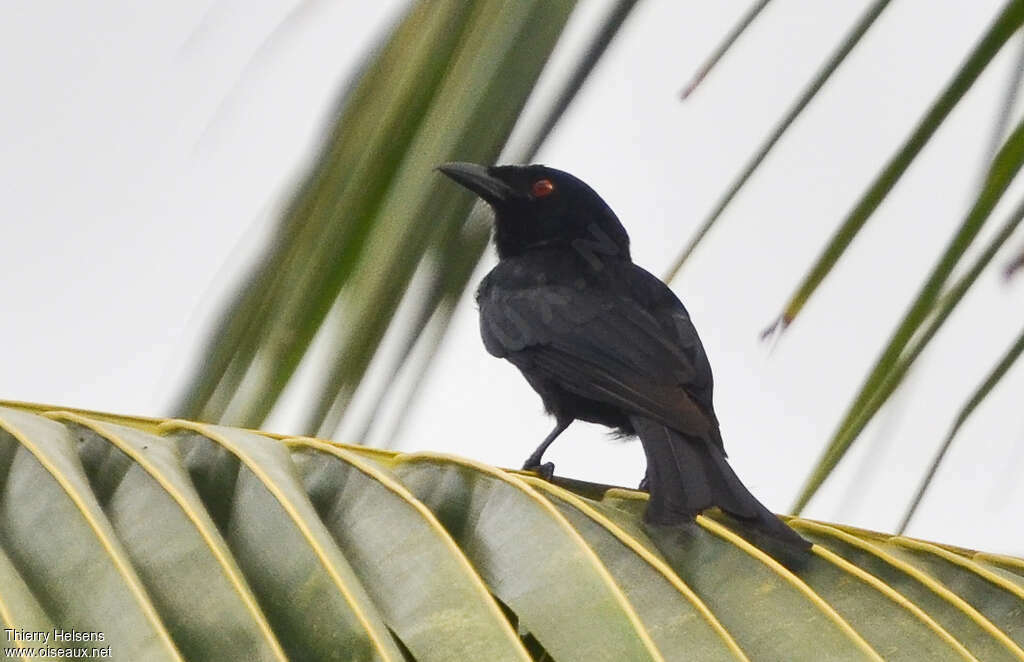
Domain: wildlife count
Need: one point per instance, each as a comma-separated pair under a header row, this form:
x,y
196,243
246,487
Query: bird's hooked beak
x,y
479,180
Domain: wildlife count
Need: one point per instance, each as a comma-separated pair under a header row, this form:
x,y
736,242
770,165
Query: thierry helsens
x,y
58,634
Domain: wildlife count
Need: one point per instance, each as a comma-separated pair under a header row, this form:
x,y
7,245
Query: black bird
x,y
602,340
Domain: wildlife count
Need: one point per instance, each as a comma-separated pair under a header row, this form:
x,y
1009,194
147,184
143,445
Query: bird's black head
x,y
540,207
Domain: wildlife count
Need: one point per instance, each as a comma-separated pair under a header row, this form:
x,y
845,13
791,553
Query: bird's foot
x,y
545,471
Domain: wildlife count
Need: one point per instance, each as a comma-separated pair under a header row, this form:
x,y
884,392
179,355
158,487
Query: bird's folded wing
x,y
602,347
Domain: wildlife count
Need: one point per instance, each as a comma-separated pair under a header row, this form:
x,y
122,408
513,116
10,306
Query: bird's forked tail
x,y
686,476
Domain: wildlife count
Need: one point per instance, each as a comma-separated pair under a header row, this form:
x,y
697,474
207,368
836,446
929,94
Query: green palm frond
x,y
990,382
371,234
824,74
999,32
182,540
935,301
896,359
449,83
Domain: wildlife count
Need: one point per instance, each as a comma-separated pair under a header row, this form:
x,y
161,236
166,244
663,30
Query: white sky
x,y
145,148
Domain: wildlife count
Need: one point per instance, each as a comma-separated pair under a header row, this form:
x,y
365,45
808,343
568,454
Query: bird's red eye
x,y
542,187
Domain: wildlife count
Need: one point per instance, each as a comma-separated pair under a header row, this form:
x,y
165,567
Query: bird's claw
x,y
545,471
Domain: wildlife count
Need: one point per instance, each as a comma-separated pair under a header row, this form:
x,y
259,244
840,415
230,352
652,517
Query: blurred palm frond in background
x,y
374,250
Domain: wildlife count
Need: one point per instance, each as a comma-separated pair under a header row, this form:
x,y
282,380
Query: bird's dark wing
x,y
628,346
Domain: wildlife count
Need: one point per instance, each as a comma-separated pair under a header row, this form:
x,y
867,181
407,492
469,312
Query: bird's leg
x,y
546,470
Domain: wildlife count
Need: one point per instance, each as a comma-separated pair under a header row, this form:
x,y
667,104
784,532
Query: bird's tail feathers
x,y
687,476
